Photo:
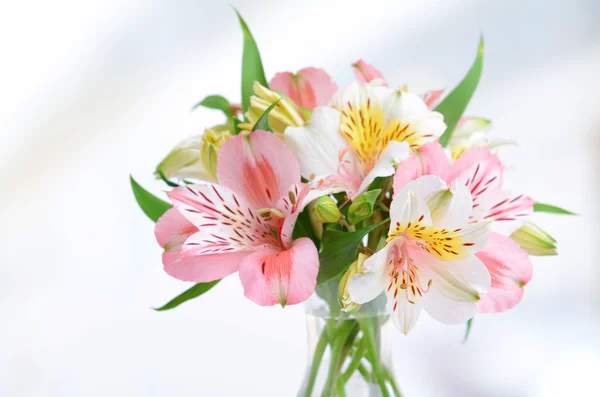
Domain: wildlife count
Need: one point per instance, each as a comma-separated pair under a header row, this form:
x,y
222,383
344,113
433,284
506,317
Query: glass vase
x,y
349,353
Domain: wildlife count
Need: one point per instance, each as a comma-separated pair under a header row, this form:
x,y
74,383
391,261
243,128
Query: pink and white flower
x,y
366,130
481,173
244,224
366,73
428,262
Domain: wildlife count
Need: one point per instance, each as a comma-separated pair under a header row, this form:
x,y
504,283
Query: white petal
x,y
456,288
455,212
424,186
318,145
406,314
370,283
408,207
406,105
392,155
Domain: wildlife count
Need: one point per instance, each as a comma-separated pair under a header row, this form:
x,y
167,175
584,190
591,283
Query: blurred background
x,y
95,90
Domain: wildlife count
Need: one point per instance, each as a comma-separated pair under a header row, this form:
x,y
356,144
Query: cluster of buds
x,y
195,157
285,114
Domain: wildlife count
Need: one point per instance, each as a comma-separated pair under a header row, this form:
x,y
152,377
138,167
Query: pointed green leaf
x,y
263,121
191,293
541,207
216,102
468,330
252,68
152,206
339,251
454,105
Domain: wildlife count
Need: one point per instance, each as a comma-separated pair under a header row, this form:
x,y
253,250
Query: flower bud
x,y
534,240
325,210
195,157
285,114
362,206
343,294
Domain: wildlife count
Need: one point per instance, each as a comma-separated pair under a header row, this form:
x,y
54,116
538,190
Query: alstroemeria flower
x,y
245,223
366,73
481,173
428,262
309,88
363,134
472,132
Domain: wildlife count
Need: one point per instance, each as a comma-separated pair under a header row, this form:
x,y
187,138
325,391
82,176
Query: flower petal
x,y
285,277
395,153
259,167
309,88
455,289
506,210
172,229
432,97
365,72
510,269
406,314
224,220
429,159
201,269
367,285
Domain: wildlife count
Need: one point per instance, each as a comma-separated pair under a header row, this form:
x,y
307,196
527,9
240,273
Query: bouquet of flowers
x,y
370,202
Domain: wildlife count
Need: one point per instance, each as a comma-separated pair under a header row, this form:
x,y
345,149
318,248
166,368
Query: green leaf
x,y
303,228
191,293
468,330
165,180
263,121
454,105
236,129
339,251
552,209
216,102
152,206
252,68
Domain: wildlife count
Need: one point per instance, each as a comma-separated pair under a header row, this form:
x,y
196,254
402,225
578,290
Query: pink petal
x,y
432,97
365,72
259,167
309,88
201,269
172,229
479,170
285,277
510,269
224,220
429,159
506,208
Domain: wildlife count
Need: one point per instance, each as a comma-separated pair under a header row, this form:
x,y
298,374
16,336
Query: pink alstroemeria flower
x,y
366,73
244,224
481,172
309,88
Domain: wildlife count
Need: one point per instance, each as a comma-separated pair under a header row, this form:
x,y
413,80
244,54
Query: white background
x,y
93,90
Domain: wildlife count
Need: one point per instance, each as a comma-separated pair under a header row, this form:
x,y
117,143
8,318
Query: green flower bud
x,y
343,295
325,210
534,240
285,114
195,157
362,206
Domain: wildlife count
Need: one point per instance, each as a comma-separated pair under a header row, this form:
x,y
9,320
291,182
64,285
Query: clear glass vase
x,y
349,354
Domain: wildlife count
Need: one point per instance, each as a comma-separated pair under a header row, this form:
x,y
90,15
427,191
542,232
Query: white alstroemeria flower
x,y
428,262
364,132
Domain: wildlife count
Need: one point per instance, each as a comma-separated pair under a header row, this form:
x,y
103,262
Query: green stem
x,y
390,378
337,343
369,336
316,362
364,372
358,355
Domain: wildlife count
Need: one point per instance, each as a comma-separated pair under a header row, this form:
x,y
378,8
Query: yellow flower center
x,y
444,244
366,130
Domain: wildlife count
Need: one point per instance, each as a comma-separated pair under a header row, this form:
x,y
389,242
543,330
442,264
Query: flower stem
x,y
370,338
358,355
316,362
337,344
